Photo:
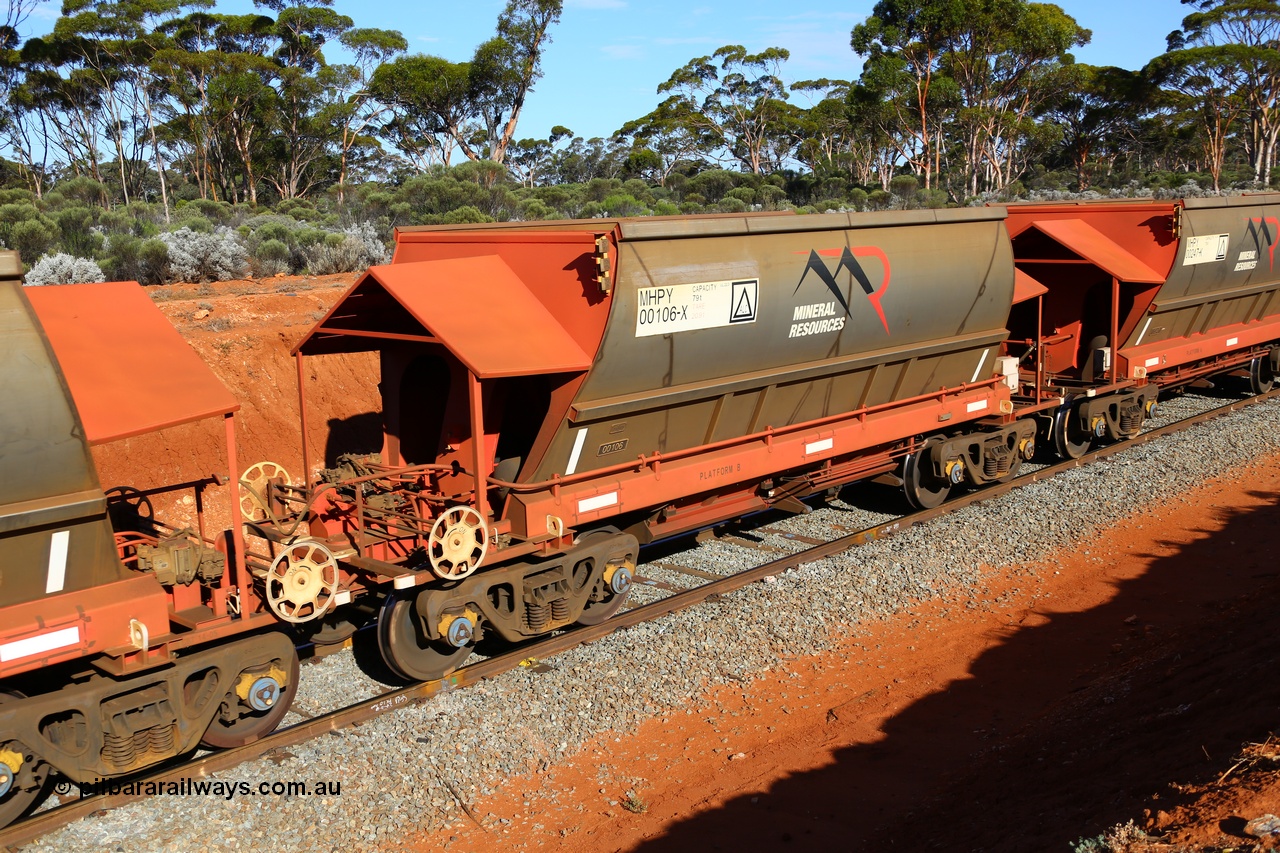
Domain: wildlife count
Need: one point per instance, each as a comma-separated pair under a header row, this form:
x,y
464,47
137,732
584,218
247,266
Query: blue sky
x,y
607,57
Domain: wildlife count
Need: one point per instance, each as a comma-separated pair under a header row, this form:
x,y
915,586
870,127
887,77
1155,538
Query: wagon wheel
x,y
302,581
334,628
923,488
458,542
602,611
406,647
22,791
613,596
1261,376
130,509
240,722
253,489
1070,439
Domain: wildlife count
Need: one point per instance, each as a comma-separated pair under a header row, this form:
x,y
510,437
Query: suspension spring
x,y
537,615
119,750
560,610
160,739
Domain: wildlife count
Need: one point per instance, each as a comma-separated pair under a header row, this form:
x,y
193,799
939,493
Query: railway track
x,y
51,819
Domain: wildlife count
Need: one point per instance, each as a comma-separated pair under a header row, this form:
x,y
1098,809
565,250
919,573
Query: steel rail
x,y
51,819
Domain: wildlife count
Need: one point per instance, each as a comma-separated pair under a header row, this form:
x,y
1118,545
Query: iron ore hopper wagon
x,y
1135,297
124,640
556,394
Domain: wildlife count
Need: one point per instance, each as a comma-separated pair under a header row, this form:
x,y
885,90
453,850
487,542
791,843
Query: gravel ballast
x,y
408,771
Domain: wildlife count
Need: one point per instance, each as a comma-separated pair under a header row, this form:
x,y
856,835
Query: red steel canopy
x,y
128,369
1100,250
1025,287
477,307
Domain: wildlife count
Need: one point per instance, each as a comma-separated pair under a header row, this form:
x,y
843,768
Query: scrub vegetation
x,y
163,140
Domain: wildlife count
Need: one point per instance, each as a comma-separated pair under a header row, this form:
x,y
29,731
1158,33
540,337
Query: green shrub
x,y
535,208
83,189
299,209
196,223
771,197
132,258
219,212
270,257
466,213
75,225
713,184
114,222
33,238
16,196
623,204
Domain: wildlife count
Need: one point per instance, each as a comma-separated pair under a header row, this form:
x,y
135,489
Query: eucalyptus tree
x,y
1246,33
351,105
505,68
476,103
1098,112
530,160
1006,58
838,137
57,112
16,13
667,138
904,42
1210,82
737,100
301,30
431,106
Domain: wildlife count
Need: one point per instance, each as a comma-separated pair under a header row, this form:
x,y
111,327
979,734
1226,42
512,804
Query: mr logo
x,y
1263,231
849,262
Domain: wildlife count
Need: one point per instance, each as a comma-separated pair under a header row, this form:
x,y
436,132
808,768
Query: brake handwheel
x,y
129,509
458,542
253,488
302,581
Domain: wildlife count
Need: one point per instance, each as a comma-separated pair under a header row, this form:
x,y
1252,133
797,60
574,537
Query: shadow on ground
x,y
1061,730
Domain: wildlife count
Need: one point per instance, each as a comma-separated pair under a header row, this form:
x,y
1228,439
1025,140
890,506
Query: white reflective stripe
x,y
577,451
598,502
40,643
982,359
1143,333
819,446
1232,341
57,577
341,598
1152,362
976,406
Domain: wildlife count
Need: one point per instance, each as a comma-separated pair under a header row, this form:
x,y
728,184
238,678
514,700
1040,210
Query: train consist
x,y
555,395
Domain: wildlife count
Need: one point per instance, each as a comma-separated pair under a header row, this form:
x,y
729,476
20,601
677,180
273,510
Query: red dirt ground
x,y
1127,687
1117,689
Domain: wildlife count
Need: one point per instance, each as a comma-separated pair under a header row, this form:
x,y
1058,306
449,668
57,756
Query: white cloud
x,y
426,38
595,4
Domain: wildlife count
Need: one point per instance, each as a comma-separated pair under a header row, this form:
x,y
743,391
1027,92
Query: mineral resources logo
x,y
1262,230
820,317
